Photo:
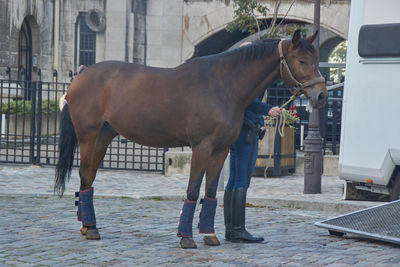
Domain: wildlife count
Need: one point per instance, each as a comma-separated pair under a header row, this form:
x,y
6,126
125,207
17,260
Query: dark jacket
x,y
255,111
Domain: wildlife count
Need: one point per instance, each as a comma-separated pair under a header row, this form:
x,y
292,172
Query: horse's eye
x,y
302,62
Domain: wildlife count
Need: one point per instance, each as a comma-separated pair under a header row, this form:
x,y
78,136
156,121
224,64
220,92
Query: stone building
x,y
56,36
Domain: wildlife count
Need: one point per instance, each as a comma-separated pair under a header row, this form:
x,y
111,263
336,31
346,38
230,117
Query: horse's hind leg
x,y
209,202
92,148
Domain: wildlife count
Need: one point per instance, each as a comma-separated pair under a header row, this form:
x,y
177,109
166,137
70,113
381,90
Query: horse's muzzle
x,y
317,98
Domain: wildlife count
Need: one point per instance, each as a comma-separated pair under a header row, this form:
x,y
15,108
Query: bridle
x,y
299,86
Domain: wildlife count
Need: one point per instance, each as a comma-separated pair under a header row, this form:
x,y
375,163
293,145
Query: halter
x,y
299,86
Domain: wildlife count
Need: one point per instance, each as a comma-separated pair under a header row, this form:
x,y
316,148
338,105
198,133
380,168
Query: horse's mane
x,y
255,50
263,47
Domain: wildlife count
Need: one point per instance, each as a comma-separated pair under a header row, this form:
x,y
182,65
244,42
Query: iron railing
x,y
30,121
330,118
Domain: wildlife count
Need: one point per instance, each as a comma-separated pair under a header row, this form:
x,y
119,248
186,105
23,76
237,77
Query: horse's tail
x,y
67,146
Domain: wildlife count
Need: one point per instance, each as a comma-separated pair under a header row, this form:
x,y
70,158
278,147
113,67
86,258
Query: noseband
x,y
299,86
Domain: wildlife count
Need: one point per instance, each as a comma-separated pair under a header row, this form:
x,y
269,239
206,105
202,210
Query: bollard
x,y
313,158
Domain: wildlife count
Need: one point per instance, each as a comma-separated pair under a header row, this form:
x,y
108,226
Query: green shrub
x,y
22,107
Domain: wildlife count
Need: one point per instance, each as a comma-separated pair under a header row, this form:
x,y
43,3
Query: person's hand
x,y
274,112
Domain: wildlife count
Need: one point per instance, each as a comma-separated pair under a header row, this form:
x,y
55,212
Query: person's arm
x,y
259,107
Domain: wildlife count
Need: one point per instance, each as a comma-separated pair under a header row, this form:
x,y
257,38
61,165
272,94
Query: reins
x,y
280,121
279,126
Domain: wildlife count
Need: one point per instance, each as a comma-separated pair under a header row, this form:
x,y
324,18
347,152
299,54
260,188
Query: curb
x,y
326,206
343,206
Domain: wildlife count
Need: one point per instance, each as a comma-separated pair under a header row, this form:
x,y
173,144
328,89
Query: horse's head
x,y
299,68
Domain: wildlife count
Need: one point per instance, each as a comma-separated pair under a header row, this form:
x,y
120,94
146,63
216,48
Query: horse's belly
x,y
157,142
152,136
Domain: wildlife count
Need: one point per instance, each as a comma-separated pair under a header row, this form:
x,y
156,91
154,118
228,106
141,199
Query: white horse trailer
x,y
370,137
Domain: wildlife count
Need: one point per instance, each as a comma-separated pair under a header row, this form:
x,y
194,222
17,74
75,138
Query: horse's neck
x,y
254,76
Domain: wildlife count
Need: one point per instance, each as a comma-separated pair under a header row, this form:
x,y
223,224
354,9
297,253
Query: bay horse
x,y
200,104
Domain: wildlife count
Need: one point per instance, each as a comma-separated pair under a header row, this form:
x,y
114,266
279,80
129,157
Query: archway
x,y
223,40
335,69
218,42
327,48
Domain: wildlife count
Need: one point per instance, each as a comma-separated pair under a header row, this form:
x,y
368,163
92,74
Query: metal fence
x,y
30,125
330,118
30,130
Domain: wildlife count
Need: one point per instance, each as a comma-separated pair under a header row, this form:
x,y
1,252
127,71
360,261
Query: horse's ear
x,y
311,38
296,38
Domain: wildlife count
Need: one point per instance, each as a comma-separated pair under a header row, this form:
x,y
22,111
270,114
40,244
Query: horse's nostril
x,y
321,97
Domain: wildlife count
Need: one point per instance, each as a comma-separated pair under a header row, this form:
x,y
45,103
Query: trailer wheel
x,y
335,233
395,192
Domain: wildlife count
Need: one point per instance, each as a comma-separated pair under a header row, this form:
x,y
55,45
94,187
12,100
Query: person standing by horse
x,y
242,161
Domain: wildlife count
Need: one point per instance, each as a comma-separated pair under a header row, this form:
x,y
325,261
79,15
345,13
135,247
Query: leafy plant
x,y
22,107
245,19
338,56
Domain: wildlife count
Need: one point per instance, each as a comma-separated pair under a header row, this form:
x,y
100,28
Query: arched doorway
x,y
25,52
28,49
28,52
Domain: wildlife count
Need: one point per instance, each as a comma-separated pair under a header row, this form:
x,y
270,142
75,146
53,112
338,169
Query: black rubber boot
x,y
238,211
227,214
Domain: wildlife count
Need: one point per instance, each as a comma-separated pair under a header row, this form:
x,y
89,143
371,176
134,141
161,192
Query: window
x,y
85,43
379,40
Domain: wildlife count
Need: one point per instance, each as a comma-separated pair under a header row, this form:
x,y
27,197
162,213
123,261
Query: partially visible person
x,y
243,155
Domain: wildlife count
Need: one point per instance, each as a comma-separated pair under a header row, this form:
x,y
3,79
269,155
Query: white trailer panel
x,y
370,137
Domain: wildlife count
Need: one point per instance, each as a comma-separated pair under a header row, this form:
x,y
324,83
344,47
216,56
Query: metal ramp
x,y
381,222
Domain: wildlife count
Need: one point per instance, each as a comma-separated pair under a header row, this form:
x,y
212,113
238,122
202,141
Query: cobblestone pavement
x,y
275,192
37,228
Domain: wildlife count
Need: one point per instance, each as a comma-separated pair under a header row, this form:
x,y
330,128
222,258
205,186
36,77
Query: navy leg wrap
x,y
77,204
185,222
207,215
86,207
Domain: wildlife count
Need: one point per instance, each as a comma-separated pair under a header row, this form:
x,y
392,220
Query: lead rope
x,y
280,127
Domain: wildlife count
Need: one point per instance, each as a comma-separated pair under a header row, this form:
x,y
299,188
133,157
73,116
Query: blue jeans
x,y
240,167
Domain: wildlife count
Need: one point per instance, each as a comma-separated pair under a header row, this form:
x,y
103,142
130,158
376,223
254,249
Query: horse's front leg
x,y
209,202
200,157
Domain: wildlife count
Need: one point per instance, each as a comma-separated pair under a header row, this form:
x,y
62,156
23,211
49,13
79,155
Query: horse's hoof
x,y
92,234
211,240
84,230
187,242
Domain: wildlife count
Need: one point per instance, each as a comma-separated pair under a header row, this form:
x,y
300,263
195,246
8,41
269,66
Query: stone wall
x,y
110,44
161,33
12,14
164,32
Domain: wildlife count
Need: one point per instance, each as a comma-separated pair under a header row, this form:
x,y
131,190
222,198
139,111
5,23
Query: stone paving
x,y
37,228
273,192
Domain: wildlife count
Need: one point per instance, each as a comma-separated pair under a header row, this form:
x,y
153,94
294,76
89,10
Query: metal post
x,y
316,26
39,122
313,158
33,125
